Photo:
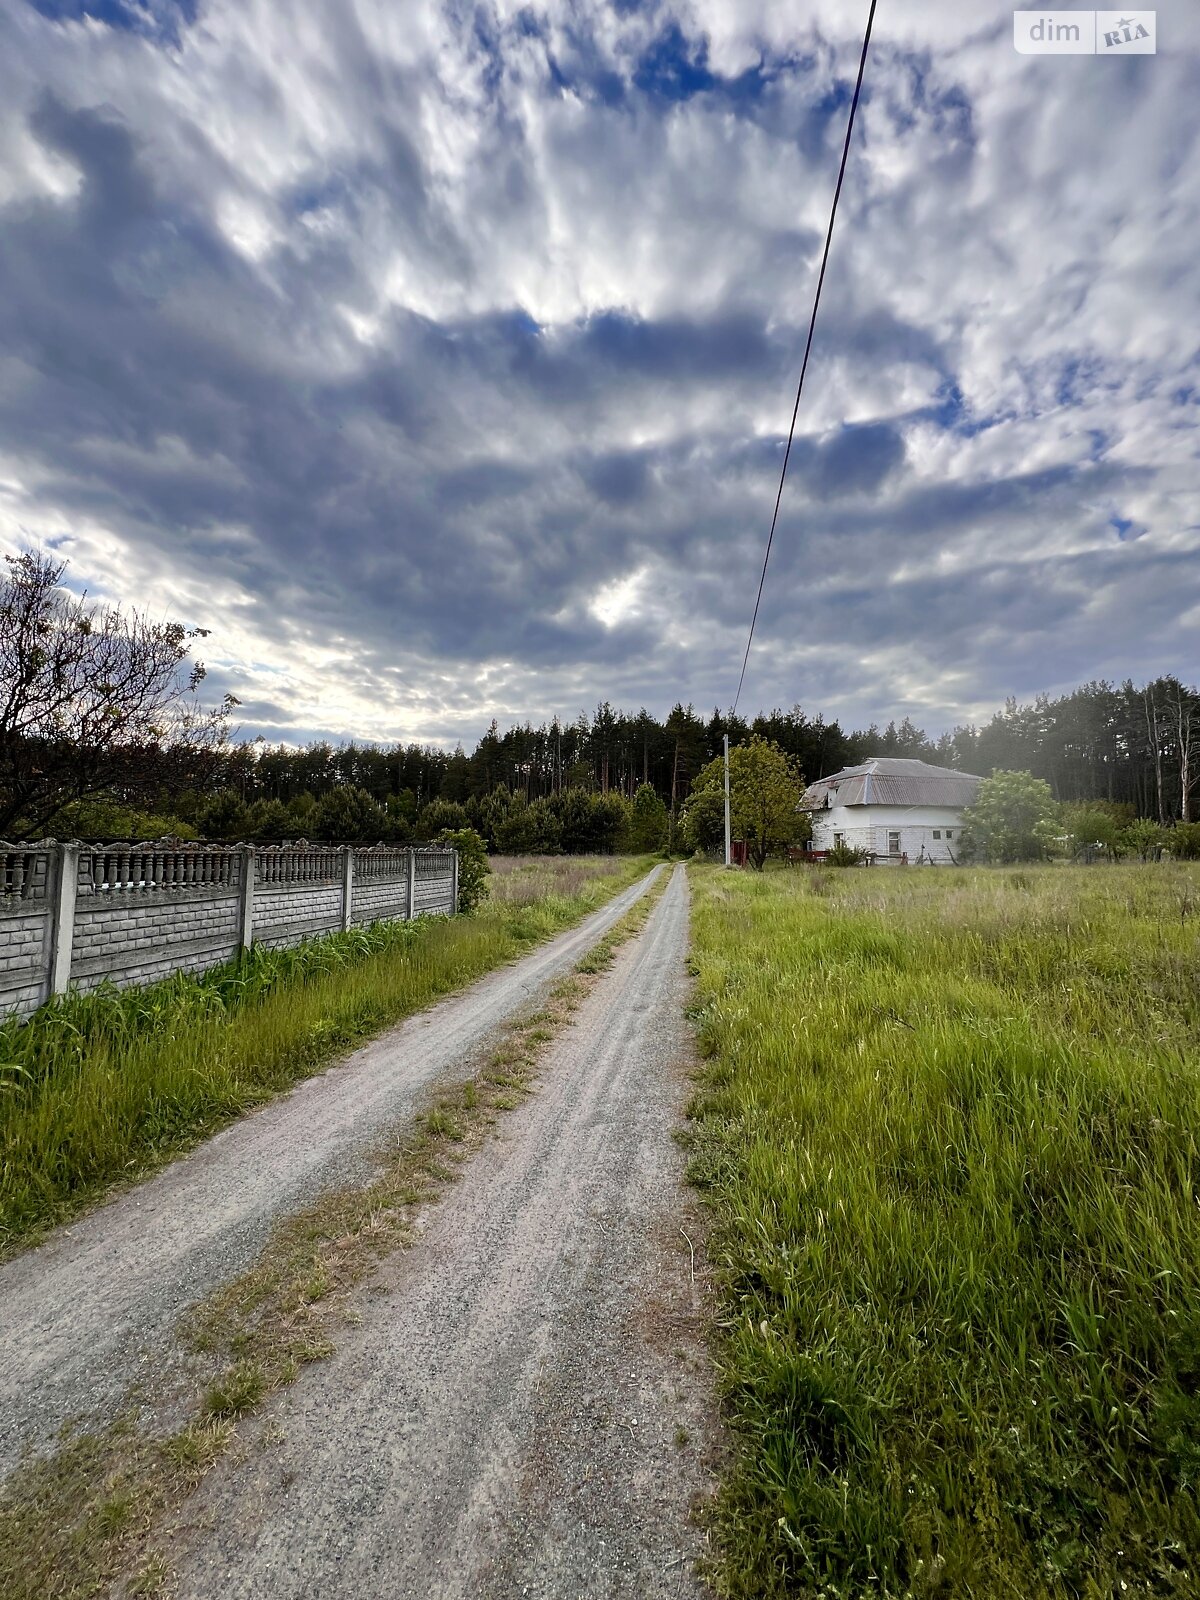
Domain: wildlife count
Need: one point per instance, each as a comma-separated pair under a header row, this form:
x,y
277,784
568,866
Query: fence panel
x,y
78,916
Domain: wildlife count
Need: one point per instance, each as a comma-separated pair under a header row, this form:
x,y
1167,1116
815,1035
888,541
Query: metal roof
x,y
892,781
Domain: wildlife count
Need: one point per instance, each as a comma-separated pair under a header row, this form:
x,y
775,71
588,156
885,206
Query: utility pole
x,y
728,845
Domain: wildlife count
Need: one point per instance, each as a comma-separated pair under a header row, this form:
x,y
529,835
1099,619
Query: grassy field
x,y
948,1127
100,1089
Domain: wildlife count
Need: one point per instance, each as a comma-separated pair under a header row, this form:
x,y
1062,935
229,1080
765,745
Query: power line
x,y
812,323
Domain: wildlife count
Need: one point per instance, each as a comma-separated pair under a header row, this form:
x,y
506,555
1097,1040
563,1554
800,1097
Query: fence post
x,y
246,937
347,887
62,911
412,883
454,888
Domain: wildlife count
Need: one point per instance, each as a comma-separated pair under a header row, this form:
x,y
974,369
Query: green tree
x,y
516,833
349,815
648,822
765,787
1145,838
1091,827
439,817
703,823
271,820
546,831
1183,841
223,816
402,812
1014,818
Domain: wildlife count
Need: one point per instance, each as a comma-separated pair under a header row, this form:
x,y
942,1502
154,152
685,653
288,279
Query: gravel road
x,y
83,1315
522,1411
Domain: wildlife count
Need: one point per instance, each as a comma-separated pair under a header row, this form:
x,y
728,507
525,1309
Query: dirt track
x,y
81,1315
523,1409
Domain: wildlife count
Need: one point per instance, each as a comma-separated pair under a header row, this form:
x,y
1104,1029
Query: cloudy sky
x,y
438,356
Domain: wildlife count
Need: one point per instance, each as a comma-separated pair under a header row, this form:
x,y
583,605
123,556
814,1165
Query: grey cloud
x,y
456,490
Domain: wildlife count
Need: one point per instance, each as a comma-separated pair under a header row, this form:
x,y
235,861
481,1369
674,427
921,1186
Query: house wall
x,y
867,828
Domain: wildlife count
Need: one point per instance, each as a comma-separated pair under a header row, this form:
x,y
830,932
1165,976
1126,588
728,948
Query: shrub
x,y
845,855
1014,818
1145,838
473,865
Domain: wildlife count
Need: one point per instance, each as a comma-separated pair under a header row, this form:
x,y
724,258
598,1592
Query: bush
x,y
1145,838
473,865
1014,818
845,855
103,819
1094,826
1183,841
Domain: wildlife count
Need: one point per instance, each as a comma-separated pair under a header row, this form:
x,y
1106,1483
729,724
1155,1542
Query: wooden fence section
x,y
74,916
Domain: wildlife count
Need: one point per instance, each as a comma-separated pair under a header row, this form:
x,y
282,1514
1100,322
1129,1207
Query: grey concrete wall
x,y
385,901
285,914
138,938
433,896
76,916
24,957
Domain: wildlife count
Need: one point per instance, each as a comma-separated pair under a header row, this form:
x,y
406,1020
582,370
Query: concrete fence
x,y
73,916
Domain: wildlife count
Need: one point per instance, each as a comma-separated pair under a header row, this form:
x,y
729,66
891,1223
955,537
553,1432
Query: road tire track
x,y
525,1409
91,1311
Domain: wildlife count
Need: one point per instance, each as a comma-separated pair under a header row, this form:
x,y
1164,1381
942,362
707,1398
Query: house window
x,y
949,835
894,843
839,840
937,833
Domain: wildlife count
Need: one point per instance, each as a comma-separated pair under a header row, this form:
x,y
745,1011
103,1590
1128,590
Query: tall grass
x,y
99,1088
527,880
948,1126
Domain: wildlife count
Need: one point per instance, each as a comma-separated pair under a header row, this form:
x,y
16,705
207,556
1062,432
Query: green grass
x,y
948,1128
98,1089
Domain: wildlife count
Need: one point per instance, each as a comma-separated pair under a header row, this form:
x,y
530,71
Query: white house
x,y
894,808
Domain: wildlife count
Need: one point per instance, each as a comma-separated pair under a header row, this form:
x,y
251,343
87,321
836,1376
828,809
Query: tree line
x,y
103,733
1133,746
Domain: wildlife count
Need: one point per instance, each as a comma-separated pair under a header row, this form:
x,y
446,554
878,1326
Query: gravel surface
x,y
525,1408
87,1313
